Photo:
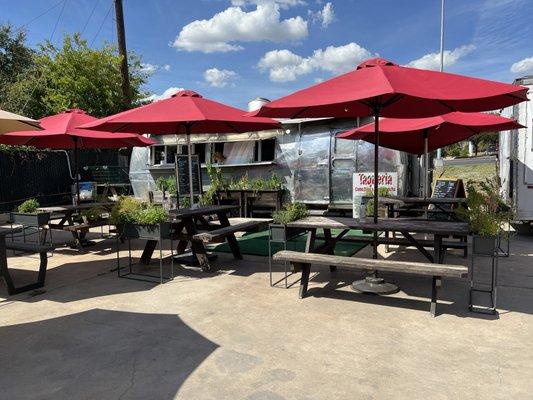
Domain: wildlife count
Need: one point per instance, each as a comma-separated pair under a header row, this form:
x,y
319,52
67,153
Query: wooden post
x,y
121,41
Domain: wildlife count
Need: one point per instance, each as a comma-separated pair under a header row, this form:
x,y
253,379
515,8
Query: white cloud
x,y
325,16
151,68
523,67
432,60
220,33
219,77
165,95
284,65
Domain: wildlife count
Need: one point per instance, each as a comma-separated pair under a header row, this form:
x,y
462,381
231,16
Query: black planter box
x,y
282,233
30,220
152,232
484,245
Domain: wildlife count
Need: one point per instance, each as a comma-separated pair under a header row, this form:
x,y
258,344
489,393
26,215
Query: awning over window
x,y
218,137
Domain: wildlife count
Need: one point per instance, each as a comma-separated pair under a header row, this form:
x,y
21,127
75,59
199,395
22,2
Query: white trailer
x,y
516,161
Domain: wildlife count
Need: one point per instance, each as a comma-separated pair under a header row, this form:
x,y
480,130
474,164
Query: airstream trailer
x,y
315,167
516,161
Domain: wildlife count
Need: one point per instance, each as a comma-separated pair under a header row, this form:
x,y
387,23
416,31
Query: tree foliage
x,y
15,57
71,76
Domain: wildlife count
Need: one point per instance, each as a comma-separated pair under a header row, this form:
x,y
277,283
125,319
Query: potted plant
x,y
485,212
93,214
27,215
137,220
279,231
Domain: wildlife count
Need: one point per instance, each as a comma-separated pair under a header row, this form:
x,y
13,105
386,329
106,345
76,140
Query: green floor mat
x,y
256,244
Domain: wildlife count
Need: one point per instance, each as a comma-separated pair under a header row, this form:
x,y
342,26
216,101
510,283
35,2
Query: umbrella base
x,y
374,285
190,259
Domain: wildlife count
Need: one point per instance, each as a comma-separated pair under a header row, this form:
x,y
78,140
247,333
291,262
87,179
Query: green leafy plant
x,y
290,212
92,214
151,215
166,184
125,210
485,211
30,206
369,207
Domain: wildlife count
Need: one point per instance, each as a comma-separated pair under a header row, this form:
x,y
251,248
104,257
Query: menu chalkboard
x,y
447,188
182,172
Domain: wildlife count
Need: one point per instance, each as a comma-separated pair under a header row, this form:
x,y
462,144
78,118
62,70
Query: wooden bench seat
x,y
303,261
42,250
221,233
84,226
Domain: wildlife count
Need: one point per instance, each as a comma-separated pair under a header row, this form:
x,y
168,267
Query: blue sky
x,y
235,50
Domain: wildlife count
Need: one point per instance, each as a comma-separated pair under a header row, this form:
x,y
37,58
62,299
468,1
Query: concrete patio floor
x,y
228,335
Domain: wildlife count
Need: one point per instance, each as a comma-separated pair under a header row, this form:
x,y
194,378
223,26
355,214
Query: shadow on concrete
x,y
100,354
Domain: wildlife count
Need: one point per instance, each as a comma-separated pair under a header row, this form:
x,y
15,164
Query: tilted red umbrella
x,y
422,135
411,134
186,112
60,131
380,88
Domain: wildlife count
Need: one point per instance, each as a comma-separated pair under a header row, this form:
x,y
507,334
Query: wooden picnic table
x,y
444,205
4,272
407,227
186,223
66,214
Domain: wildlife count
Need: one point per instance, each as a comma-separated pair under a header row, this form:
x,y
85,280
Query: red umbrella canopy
x,y
60,131
380,86
408,134
184,112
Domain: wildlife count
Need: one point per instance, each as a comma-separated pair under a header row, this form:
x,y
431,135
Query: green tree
x,y
15,57
74,76
483,141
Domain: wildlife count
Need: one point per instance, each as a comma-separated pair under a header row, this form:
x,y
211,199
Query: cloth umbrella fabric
x,y
380,88
10,122
186,112
422,135
60,131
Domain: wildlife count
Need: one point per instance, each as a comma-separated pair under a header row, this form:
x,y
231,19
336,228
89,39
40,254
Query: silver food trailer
x,y
516,161
315,167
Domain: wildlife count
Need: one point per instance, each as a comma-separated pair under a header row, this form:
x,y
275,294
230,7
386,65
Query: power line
x,y
89,18
38,16
42,74
102,24
57,20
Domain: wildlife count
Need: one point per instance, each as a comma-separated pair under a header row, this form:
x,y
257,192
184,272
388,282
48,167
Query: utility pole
x,y
121,40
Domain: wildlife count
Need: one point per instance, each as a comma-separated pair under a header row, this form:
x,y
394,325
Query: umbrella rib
x,y
300,112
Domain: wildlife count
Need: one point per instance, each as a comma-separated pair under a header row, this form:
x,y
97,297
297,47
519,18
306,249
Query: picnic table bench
x,y
303,261
40,249
188,226
66,213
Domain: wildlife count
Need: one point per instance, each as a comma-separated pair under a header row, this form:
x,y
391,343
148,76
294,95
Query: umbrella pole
x,y
77,170
426,163
376,178
376,168
189,152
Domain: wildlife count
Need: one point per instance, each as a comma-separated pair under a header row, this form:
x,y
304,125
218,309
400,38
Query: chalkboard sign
x,y
447,188
182,172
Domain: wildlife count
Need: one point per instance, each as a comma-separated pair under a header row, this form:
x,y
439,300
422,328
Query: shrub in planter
x,y
290,212
92,214
485,212
27,215
136,220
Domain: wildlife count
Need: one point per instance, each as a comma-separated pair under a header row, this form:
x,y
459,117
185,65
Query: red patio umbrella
x,y
60,131
378,87
185,112
422,135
